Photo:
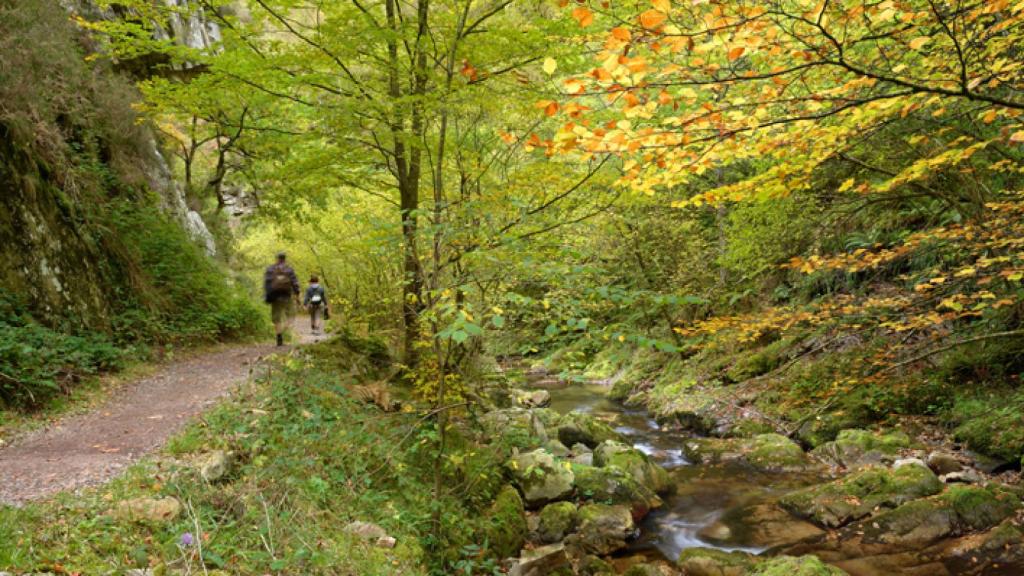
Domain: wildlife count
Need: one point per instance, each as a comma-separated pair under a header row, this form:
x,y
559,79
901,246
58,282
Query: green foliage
x,y
990,422
179,294
37,362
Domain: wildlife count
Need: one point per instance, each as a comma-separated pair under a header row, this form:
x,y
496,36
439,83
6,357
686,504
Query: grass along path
x,y
92,447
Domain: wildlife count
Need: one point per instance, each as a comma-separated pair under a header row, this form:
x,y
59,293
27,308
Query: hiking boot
x,y
280,339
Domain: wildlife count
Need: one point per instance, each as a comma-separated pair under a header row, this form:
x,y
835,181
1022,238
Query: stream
x,y
697,513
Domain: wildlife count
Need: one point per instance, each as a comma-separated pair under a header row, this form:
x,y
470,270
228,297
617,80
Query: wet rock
x,y
602,529
943,463
533,398
634,462
714,562
858,495
856,448
643,570
766,452
217,465
920,537
958,510
577,427
591,565
541,561
967,476
521,427
540,478
1000,547
148,509
614,485
761,526
698,410
556,521
795,566
506,523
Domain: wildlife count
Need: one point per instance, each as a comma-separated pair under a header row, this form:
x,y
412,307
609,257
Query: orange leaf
x,y
1017,136
918,42
583,15
652,19
551,109
736,53
622,34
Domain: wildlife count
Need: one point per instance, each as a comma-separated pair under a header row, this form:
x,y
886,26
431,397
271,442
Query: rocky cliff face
x,y
71,152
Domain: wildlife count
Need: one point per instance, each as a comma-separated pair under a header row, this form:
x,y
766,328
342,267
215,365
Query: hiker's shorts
x,y
281,310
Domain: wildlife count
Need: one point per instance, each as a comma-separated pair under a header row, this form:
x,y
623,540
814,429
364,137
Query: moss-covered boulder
x,y
858,495
766,452
959,510
613,485
633,461
602,529
556,521
514,426
540,478
715,562
506,523
581,428
643,569
856,448
795,566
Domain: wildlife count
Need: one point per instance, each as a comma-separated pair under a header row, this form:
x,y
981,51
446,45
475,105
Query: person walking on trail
x,y
281,291
315,302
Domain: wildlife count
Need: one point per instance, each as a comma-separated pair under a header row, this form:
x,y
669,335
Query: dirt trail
x,y
93,447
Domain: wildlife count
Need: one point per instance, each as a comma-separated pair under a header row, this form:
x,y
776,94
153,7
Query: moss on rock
x,y
506,526
555,521
613,485
766,452
634,462
796,566
715,562
858,495
854,448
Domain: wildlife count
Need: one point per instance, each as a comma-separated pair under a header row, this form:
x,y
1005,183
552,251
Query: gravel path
x,y
91,448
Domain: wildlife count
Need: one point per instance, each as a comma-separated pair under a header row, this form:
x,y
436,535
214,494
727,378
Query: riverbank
x,y
858,501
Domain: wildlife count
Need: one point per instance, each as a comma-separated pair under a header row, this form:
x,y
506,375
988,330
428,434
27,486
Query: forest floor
x,y
92,447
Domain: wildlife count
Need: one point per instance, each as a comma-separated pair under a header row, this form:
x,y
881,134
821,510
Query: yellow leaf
x,y
846,185
990,116
663,5
550,66
1017,136
918,42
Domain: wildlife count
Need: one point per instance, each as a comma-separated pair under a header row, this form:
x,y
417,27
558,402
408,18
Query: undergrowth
x,y
310,458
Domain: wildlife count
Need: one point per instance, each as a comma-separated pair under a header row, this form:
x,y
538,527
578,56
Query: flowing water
x,y
702,509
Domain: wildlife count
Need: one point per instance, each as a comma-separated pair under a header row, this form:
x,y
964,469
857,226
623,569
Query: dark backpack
x,y
280,281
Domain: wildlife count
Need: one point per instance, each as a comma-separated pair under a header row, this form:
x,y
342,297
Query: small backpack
x,y
280,281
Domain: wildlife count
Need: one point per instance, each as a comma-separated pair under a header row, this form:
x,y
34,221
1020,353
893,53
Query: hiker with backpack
x,y
281,291
315,303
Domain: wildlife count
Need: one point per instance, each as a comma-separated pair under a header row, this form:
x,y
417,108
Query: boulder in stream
x,y
578,427
961,531
860,494
715,562
540,477
603,529
614,485
765,452
637,464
